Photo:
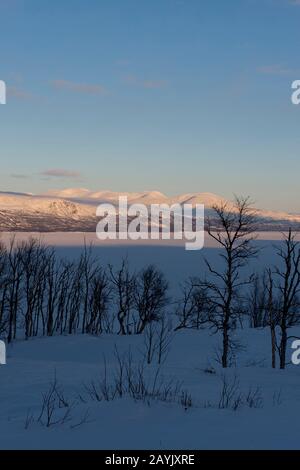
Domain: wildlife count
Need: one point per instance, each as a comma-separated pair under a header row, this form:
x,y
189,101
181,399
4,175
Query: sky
x,y
177,96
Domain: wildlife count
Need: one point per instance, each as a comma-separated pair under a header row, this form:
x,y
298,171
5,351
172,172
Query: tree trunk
x,y
225,348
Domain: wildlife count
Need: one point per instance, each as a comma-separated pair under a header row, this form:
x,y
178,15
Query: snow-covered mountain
x,y
25,212
146,197
75,209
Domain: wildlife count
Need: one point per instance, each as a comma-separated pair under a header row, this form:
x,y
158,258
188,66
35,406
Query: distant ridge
x,y
74,209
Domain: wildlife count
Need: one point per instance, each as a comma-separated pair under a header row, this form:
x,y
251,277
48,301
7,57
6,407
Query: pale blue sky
x,y
171,95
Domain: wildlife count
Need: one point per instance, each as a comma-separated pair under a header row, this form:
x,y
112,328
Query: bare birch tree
x,y
233,228
288,286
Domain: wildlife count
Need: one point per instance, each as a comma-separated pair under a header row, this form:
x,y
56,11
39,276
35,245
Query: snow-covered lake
x,y
170,256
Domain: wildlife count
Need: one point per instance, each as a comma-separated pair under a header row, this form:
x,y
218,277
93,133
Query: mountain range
x,y
75,209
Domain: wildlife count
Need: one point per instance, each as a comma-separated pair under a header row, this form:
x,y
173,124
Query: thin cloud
x,y
147,84
19,176
276,69
60,173
18,93
294,2
84,88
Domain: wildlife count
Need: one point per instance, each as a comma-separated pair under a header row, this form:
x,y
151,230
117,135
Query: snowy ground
x,y
124,423
127,423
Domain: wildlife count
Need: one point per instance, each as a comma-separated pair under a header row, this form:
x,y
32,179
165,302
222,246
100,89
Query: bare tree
x,y
97,320
75,298
193,307
165,337
15,272
150,296
87,266
34,258
288,286
233,228
271,314
64,286
3,287
124,284
150,343
257,300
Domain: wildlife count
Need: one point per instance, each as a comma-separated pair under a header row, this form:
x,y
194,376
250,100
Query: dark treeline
x,y
43,295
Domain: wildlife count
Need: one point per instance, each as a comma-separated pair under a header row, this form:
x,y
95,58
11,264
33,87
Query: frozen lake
x,y
170,256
